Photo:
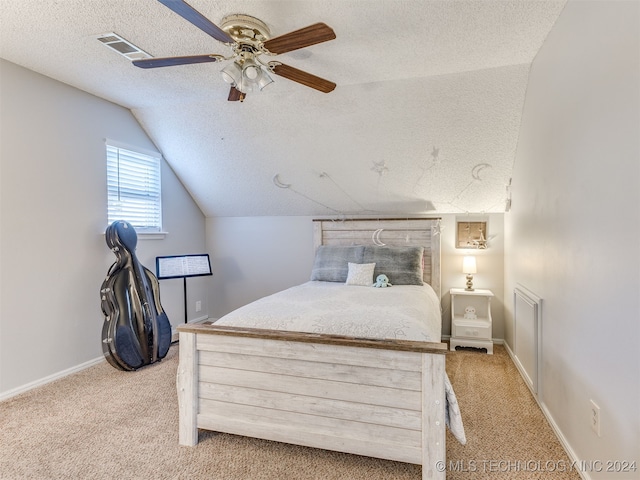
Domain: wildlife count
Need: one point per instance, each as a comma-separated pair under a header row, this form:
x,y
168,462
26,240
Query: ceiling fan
x,y
250,39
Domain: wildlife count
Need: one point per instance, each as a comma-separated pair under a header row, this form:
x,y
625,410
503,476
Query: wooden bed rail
x,y
322,338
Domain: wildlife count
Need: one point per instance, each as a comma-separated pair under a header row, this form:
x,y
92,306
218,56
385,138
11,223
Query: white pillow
x,y
360,274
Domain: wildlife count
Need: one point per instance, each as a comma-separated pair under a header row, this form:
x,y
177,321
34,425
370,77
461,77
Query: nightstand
x,y
471,319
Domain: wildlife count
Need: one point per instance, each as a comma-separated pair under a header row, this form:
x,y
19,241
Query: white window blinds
x,y
133,188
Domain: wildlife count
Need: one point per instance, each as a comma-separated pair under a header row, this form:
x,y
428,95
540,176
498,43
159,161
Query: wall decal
x,y
476,170
434,153
478,174
438,227
287,186
375,238
329,177
380,167
475,177
278,183
507,205
429,164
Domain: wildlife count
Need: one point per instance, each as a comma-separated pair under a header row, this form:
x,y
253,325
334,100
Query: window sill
x,y
149,235
153,236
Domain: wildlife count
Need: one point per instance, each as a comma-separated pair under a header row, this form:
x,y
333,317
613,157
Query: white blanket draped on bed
x,y
408,312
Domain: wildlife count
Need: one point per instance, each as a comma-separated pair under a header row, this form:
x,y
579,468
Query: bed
x,y
305,366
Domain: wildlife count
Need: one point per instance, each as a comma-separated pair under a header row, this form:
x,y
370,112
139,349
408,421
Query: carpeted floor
x,y
102,423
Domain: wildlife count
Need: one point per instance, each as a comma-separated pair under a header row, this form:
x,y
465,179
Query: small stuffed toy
x,y
470,313
382,281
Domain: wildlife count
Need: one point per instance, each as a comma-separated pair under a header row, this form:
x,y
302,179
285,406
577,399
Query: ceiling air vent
x,y
120,45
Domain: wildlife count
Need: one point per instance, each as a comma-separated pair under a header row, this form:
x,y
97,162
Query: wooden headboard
x,y
420,232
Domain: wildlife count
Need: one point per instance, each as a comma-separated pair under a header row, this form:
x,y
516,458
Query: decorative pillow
x,y
403,265
360,274
331,262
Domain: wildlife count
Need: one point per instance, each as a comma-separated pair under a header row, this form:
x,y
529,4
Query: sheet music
x,y
185,266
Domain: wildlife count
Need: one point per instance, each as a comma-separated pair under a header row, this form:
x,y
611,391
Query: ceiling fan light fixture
x,y
249,38
265,79
246,75
232,73
251,72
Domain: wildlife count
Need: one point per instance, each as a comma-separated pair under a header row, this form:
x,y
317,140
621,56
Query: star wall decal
x,y
380,167
434,153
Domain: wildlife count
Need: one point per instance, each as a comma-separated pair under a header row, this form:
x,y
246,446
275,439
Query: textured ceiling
x,y
425,117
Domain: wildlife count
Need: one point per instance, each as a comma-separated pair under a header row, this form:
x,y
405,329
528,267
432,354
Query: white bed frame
x,y
379,398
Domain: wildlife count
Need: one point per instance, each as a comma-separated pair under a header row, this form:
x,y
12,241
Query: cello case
x,y
136,331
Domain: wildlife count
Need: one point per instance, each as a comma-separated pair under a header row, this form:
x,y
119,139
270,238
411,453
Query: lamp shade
x,y
469,264
247,76
232,73
264,80
251,71
254,77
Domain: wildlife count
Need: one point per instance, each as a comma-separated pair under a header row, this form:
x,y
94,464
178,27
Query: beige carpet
x,y
102,423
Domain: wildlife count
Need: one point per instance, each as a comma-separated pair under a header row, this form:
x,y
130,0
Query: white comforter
x,y
408,312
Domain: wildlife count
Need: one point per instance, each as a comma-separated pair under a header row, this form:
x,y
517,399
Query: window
x,y
133,188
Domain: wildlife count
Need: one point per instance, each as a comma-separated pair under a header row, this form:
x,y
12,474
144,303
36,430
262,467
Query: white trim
x,y
135,148
148,236
554,426
56,376
174,332
496,341
69,371
152,236
534,302
521,370
134,187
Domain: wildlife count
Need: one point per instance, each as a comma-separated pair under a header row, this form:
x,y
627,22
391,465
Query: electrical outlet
x,y
198,306
595,417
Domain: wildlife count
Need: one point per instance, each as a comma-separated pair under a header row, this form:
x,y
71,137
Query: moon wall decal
x,y
375,238
278,183
475,171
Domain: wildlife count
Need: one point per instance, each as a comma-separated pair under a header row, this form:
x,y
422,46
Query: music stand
x,y
183,266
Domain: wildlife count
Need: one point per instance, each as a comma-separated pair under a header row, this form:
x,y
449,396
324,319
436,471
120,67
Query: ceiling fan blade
x,y
235,95
304,37
304,78
190,14
171,61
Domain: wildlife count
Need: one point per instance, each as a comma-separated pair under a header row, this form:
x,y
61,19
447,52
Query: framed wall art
x,y
471,234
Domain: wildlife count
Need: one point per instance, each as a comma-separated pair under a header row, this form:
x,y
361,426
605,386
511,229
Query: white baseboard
x,y
554,426
43,381
69,371
174,332
199,319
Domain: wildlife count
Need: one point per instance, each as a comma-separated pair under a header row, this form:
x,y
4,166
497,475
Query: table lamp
x,y
469,267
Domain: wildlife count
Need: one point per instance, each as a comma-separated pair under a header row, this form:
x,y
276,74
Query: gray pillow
x,y
403,265
332,262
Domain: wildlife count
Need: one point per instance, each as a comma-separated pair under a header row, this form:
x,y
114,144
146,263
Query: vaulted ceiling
x,y
425,117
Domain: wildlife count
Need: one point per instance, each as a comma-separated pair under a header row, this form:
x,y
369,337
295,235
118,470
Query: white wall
x,y
53,255
573,233
257,256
